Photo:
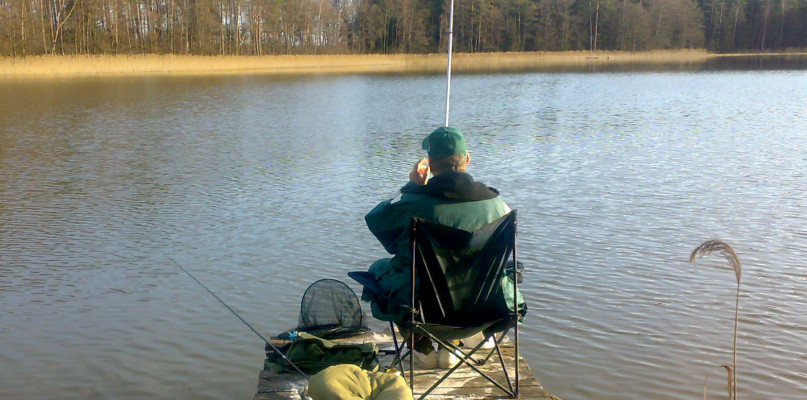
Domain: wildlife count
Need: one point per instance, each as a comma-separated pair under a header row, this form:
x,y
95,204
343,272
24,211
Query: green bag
x,y
312,354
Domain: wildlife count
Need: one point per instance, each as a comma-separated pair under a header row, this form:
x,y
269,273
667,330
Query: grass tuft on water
x,y
716,246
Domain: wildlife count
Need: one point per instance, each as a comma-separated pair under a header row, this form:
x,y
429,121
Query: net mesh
x,y
330,309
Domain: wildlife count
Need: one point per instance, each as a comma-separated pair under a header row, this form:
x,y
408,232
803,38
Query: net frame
x,y
330,309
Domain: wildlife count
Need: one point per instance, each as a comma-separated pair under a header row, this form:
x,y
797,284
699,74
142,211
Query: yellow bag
x,y
349,382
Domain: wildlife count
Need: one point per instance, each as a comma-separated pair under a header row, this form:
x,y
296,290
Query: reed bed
x,y
150,64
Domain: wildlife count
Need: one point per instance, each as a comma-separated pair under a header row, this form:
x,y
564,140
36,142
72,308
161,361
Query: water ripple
x,y
259,186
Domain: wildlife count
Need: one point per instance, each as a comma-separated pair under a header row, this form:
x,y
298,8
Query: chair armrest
x,y
368,281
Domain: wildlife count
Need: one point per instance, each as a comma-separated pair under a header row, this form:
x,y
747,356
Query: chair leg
x,y
412,360
504,369
496,342
516,348
398,355
465,361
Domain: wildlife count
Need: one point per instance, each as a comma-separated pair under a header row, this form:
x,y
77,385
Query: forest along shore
x,y
60,66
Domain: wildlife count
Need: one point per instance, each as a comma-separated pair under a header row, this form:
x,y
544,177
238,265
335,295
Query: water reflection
x,y
259,184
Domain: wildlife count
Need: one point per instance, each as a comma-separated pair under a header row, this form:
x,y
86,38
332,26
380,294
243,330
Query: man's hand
x,y
420,173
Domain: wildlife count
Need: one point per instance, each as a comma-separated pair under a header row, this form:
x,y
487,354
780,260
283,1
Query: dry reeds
x,y
722,248
153,64
43,66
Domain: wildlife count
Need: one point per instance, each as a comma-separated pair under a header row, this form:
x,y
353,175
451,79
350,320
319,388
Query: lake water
x,y
258,185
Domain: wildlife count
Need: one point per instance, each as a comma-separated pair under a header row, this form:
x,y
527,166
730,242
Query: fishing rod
x,y
448,68
239,317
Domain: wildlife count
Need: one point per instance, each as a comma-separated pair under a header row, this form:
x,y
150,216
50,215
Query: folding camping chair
x,y
461,278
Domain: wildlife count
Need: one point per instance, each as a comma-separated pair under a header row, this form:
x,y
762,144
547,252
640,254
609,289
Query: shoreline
x,y
150,64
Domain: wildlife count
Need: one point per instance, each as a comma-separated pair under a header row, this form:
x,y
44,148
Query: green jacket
x,y
453,199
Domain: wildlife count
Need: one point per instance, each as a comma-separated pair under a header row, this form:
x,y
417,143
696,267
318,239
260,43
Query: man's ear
x,y
467,159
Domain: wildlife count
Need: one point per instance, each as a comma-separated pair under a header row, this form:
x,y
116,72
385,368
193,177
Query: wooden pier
x,y
464,383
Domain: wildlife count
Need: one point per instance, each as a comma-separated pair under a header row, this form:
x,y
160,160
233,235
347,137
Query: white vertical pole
x,y
448,69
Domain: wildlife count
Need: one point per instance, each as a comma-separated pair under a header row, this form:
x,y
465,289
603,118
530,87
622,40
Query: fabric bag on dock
x,y
313,354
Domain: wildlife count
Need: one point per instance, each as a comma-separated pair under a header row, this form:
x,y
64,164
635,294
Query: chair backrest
x,y
460,273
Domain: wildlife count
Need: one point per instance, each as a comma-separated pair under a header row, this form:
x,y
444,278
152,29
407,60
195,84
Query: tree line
x,y
260,27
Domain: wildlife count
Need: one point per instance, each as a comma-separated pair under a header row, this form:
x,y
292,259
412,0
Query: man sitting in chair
x,y
451,197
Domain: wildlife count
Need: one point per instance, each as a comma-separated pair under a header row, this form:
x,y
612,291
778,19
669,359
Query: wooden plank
x,y
464,383
274,386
